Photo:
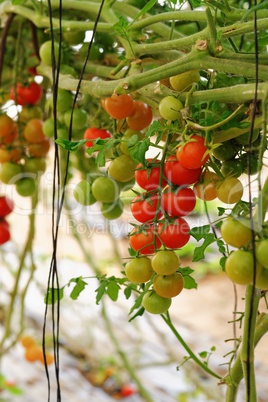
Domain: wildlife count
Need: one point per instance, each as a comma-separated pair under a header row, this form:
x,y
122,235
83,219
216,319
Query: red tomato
x,y
93,133
175,234
4,231
119,106
144,208
149,179
144,241
127,390
192,155
23,95
178,174
178,203
6,206
141,116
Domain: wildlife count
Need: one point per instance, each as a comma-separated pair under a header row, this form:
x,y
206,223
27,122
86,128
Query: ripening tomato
x,y
93,133
4,231
23,95
6,125
145,208
165,262
174,234
180,202
6,206
39,149
119,106
122,168
149,178
230,190
206,188
33,131
144,240
179,175
141,116
193,154
184,81
168,285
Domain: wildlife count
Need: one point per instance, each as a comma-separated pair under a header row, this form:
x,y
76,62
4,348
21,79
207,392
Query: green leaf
x,y
127,291
113,290
18,2
100,159
70,146
221,246
138,151
200,232
203,354
145,9
101,290
189,282
199,252
78,288
185,271
136,304
221,211
53,295
222,262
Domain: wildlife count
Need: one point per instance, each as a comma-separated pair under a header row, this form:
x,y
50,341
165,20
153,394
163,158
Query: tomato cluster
x,y
34,352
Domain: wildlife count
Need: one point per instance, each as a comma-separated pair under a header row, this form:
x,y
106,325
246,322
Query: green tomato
x,y
26,186
244,139
48,127
64,100
262,280
112,210
169,108
122,168
183,82
10,172
155,304
236,232
239,267
45,52
165,262
35,165
74,37
83,193
105,189
230,190
139,270
250,160
225,151
262,252
79,119
232,167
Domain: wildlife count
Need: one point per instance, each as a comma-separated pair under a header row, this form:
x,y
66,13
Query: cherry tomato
x,y
155,304
39,149
24,95
149,178
119,106
79,118
180,202
262,279
232,167
139,270
225,151
112,210
33,131
165,262
236,232
230,190
127,390
141,116
144,240
26,186
175,234
168,285
6,125
193,154
4,232
239,267
262,252
105,189
6,206
93,133
145,208
206,188
122,168
184,81
178,174
83,193
169,108
45,52
10,172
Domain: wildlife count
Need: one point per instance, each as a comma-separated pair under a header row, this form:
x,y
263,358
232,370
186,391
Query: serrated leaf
x,y
136,304
199,252
200,232
101,290
78,288
139,150
70,146
185,271
53,295
221,246
113,290
127,292
221,211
